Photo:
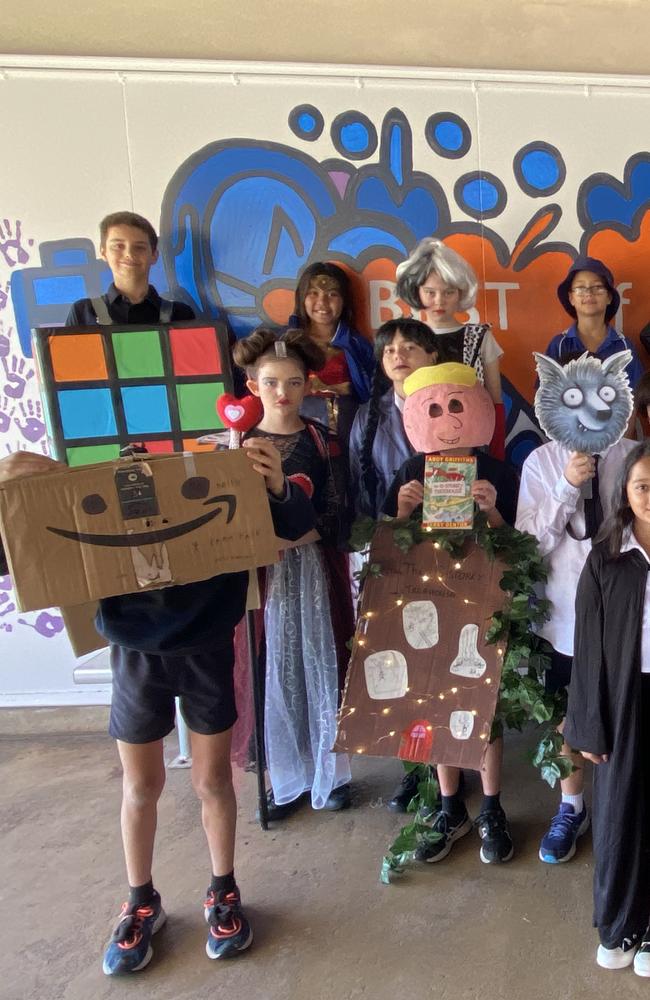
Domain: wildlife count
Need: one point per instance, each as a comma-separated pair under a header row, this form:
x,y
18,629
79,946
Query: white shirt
x,y
547,502
632,543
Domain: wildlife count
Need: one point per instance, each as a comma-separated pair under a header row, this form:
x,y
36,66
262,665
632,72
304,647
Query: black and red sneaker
x,y
129,949
229,931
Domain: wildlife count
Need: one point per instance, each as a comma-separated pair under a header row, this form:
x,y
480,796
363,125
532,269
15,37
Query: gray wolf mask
x,y
586,404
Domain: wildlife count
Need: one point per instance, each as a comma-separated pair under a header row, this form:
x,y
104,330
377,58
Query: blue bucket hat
x,y
597,266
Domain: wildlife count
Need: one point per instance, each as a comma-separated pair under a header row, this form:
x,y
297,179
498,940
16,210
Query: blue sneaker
x,y
559,844
129,949
229,931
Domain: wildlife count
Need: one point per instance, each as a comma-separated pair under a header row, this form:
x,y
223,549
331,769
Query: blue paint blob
x,y
520,452
306,122
145,409
540,169
70,257
396,154
480,195
59,290
87,413
354,137
449,135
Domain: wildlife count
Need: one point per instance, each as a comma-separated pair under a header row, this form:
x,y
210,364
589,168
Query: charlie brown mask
x,y
447,408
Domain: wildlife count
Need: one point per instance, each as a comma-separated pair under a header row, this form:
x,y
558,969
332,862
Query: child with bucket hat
x,y
589,295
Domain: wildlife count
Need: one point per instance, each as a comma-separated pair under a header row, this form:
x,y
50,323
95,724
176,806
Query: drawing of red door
x,y
416,742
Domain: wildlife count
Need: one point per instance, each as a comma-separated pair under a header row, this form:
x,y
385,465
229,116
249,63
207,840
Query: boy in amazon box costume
x,y
448,412
175,641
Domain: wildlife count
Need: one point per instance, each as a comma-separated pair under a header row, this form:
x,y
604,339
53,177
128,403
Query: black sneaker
x,y
339,798
275,812
407,789
494,831
450,828
129,949
230,931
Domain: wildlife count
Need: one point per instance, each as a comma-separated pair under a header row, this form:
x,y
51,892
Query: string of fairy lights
x,y
418,698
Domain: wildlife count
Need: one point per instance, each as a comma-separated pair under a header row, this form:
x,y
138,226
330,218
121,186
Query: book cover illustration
x,y
448,503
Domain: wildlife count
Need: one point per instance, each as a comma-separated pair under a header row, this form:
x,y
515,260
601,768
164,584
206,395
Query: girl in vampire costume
x,y
608,717
301,694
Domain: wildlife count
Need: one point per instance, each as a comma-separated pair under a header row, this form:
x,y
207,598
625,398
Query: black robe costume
x,y
607,714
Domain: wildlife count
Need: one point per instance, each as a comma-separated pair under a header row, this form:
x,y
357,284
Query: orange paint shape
x,y
78,357
191,444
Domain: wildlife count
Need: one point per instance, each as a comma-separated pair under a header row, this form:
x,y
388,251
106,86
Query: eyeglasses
x,y
583,290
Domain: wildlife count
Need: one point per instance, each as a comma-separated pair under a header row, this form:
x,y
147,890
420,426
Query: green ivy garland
x,y
522,697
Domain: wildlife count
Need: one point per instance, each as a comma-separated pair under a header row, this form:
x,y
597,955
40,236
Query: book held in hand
x,y
448,503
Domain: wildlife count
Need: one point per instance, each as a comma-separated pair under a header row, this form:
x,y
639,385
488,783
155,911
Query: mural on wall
x,y
240,218
21,417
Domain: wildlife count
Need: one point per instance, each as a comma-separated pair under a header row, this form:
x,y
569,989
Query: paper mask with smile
x,y
447,408
586,404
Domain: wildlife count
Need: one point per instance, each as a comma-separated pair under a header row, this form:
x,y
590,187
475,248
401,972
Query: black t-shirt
x,y
503,477
122,311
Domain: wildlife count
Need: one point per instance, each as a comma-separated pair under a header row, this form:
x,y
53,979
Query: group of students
x,y
331,444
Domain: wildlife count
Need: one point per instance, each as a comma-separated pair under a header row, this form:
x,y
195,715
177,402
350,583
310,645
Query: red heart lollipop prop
x,y
239,414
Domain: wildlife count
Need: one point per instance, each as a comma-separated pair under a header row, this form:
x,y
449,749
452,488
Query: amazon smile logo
x,y
95,504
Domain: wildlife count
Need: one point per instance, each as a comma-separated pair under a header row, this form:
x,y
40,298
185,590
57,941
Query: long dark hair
x,y
420,334
251,351
622,517
338,275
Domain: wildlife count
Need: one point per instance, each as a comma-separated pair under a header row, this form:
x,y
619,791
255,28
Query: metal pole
x,y
258,705
184,758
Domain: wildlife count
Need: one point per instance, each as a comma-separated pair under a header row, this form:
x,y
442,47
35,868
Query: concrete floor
x,y
325,929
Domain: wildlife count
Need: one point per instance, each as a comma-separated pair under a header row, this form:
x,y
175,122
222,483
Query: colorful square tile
x,y
197,406
138,354
192,444
78,357
86,413
159,447
195,351
145,409
92,454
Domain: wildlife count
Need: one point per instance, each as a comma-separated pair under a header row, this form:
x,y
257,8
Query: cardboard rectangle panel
x,y
105,387
135,524
422,683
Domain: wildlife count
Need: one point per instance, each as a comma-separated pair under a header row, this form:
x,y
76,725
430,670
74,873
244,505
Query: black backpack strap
x,y
101,311
166,308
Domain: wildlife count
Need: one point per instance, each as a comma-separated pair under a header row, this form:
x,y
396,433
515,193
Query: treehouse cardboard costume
x,y
423,680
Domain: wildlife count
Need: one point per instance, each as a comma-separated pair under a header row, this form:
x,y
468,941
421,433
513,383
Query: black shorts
x,y
146,684
558,674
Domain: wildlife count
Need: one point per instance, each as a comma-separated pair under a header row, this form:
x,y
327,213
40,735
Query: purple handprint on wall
x,y
17,372
46,624
5,344
12,246
33,428
6,597
7,408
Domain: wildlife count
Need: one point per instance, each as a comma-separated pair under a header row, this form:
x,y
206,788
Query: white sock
x,y
577,801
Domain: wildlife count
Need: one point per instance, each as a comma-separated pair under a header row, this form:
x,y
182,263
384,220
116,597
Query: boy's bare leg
x,y
491,770
212,780
448,779
143,781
